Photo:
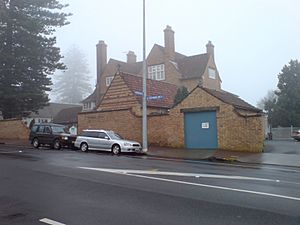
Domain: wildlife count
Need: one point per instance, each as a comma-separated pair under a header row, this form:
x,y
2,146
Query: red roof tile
x,y
154,88
232,99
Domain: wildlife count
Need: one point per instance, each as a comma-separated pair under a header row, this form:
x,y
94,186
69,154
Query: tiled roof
x,y
193,66
232,99
51,110
190,66
67,116
90,98
177,54
154,88
132,68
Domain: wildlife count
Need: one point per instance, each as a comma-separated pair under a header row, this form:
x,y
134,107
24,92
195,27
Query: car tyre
x,y
116,149
56,144
36,143
84,147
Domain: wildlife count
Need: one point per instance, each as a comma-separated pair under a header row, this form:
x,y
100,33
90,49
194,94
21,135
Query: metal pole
x,y
145,141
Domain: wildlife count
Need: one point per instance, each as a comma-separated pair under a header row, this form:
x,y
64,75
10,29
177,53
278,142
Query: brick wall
x,y
123,122
235,131
13,129
166,130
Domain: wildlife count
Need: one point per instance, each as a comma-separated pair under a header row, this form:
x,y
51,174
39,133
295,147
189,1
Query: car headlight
x,y
127,144
64,138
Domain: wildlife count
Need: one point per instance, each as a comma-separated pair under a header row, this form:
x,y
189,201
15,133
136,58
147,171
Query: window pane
x,y
211,73
156,72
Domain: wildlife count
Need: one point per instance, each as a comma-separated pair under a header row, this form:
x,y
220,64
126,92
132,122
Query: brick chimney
x,y
101,58
210,49
169,43
131,57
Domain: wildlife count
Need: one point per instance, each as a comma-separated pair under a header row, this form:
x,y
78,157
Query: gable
x,y
156,56
118,96
207,81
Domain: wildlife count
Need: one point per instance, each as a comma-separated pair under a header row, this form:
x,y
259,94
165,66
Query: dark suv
x,y
51,134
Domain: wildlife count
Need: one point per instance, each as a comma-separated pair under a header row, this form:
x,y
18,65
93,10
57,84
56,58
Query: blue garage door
x,y
200,129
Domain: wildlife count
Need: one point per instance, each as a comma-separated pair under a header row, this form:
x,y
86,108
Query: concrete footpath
x,y
292,160
269,158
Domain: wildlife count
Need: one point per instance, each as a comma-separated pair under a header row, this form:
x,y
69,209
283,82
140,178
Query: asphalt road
x,y
68,187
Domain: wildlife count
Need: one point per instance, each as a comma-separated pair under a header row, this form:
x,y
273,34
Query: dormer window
x,y
108,80
88,106
211,73
156,72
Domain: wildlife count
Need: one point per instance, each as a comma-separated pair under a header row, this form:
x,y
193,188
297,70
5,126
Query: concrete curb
x,y
225,160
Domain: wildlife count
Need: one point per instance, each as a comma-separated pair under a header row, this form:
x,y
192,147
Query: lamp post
x,y
145,141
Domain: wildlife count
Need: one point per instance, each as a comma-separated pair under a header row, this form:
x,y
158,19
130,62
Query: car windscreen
x,y
114,135
59,129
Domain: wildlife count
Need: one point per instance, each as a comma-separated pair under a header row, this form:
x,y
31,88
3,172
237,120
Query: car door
x,y
40,134
104,141
92,139
48,137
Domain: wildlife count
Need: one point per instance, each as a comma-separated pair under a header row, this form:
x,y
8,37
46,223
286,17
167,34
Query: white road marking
x,y
194,184
51,222
197,175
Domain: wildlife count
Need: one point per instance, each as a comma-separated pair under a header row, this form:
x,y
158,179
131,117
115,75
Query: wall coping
x,y
108,110
13,119
200,109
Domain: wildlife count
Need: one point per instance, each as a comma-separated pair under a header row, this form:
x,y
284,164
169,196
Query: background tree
x,y
74,83
28,54
181,94
288,103
283,105
268,104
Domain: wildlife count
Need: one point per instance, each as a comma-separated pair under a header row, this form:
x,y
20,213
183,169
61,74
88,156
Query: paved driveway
x,y
282,147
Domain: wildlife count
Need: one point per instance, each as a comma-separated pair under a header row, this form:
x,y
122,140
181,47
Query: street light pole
x,y
145,141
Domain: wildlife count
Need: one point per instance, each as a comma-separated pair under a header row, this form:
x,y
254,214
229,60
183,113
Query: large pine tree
x,y
283,105
288,103
28,54
74,83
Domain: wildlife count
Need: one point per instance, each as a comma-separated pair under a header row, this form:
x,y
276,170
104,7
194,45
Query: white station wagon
x,y
105,141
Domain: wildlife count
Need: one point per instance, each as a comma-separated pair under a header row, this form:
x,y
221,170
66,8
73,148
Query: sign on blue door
x,y
200,130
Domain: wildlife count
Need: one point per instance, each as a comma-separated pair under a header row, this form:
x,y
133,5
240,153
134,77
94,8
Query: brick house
x,y
164,64
208,118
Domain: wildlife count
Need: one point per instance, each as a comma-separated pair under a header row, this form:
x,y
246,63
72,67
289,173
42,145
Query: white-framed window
x,y
211,73
88,106
156,72
108,80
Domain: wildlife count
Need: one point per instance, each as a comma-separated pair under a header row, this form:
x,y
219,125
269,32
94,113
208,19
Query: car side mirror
x,y
107,138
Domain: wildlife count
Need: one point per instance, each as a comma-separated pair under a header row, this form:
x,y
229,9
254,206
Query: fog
x,y
253,39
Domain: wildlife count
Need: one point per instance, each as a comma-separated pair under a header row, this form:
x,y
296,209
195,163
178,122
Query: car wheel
x,y
116,149
84,147
56,144
36,143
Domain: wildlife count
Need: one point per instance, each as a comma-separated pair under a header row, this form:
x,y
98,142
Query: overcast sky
x,y
253,39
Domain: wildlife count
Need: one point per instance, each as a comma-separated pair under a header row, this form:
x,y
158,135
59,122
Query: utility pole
x,y
145,141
